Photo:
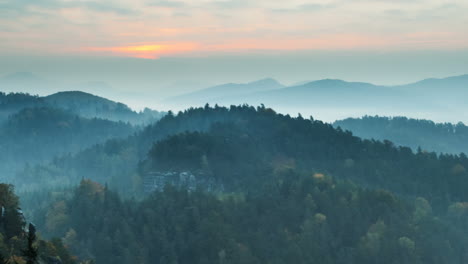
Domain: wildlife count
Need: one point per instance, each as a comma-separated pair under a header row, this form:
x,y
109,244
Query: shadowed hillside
x,y
414,133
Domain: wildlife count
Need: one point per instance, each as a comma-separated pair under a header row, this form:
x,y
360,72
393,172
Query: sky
x,y
157,28
164,47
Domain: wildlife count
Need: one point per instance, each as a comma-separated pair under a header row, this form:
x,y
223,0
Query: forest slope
x,y
414,133
243,144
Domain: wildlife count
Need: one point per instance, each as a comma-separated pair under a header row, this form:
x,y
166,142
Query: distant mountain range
x,y
441,100
25,82
332,99
224,91
22,77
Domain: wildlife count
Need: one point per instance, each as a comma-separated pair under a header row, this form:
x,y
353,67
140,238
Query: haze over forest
x,y
233,132
439,99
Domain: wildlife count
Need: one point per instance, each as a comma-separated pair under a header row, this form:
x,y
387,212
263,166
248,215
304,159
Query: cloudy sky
x,y
156,28
210,41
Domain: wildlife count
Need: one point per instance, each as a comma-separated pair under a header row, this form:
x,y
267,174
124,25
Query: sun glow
x,y
149,50
146,51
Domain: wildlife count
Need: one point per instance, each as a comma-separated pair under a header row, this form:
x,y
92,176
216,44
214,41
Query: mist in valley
x,y
80,161
206,132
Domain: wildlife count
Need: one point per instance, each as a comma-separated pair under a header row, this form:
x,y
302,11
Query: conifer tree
x,y
31,251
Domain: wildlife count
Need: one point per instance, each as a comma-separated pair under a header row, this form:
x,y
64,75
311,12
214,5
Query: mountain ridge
x,y
334,99
81,103
227,89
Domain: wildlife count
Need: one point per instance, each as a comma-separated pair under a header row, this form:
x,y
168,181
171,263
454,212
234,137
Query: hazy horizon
x,y
141,52
334,131
141,100
377,67
144,83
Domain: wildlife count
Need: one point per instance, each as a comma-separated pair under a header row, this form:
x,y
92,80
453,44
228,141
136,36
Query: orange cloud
x,y
155,51
146,51
325,42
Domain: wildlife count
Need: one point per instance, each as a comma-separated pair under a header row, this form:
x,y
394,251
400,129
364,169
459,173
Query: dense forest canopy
x,y
37,135
34,130
19,242
88,105
13,102
246,142
80,103
254,154
282,189
292,218
414,133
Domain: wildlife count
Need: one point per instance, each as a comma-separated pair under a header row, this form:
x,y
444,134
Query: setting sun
x,y
145,51
233,131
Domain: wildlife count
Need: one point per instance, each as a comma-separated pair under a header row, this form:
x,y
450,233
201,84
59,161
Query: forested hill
x,y
37,135
414,133
285,190
80,103
14,102
88,105
36,129
242,152
291,218
241,145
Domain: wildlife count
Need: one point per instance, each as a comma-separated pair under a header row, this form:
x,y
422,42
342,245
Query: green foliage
x,y
36,135
249,143
414,133
14,102
245,142
293,195
92,106
18,245
294,218
79,103
34,130
31,252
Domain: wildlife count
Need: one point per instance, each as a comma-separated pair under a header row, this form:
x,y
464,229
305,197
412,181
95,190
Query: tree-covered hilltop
x,y
241,154
292,218
79,103
246,143
37,135
291,190
13,102
90,106
414,133
51,132
34,129
19,242
116,161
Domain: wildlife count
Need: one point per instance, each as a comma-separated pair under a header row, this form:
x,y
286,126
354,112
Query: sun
x,y
146,51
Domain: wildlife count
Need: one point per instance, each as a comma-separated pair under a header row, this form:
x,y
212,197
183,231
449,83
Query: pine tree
x,y
31,251
2,259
